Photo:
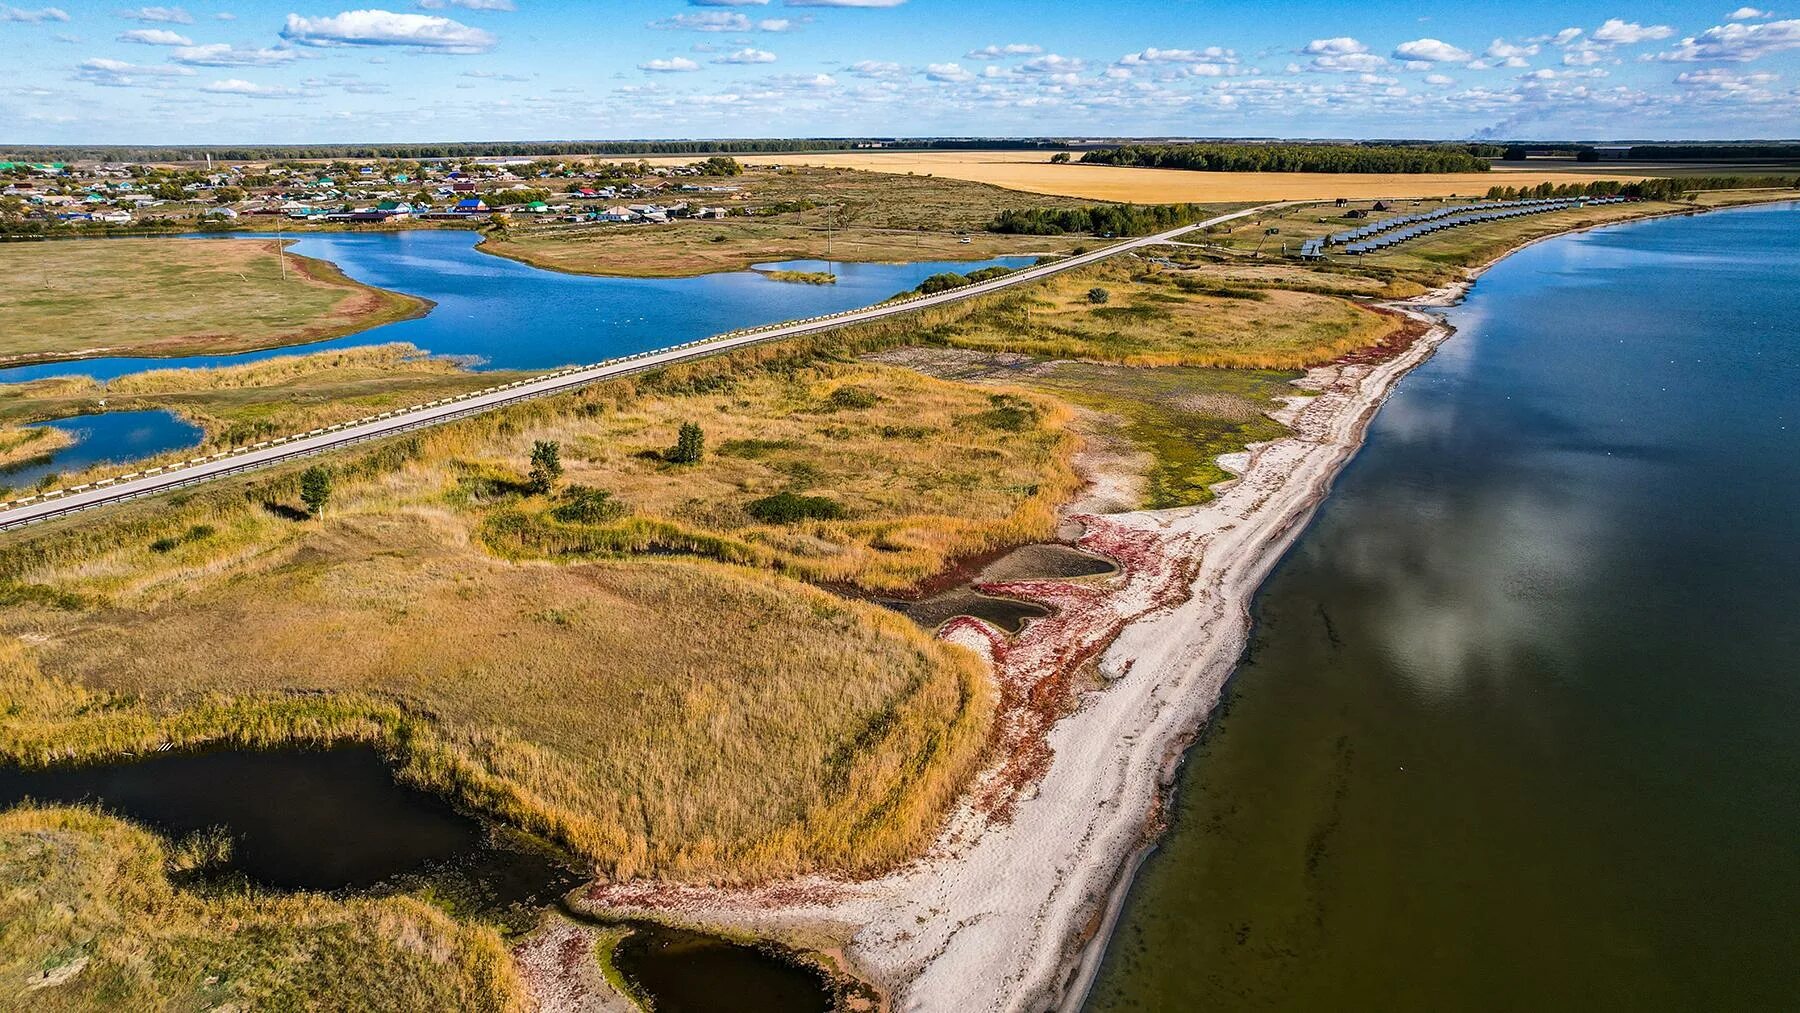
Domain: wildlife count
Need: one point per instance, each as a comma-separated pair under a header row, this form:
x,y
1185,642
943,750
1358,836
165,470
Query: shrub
x,y
586,505
315,488
853,397
546,465
690,445
1098,295
786,507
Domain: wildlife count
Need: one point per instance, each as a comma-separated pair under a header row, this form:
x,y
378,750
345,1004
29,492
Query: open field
x,y
193,619
89,920
176,297
686,248
1031,171
1156,317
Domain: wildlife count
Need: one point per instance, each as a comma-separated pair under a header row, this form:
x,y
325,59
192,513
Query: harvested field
x,y
1031,171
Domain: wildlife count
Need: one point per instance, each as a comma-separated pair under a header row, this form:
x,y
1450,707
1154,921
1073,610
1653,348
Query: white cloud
x,y
386,28
225,16
1431,51
1343,45
673,65
1053,63
1439,79
1736,43
159,15
845,3
1347,63
1564,37
1746,14
155,37
874,68
747,55
1500,49
711,21
119,74
32,17
1000,52
220,54
237,86
948,72
774,25
469,5
1618,32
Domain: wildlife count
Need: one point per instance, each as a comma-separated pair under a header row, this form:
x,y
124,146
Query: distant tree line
x,y
1293,157
1647,189
1101,220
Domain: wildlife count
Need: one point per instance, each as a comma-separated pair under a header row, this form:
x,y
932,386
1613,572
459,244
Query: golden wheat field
x,y
1031,171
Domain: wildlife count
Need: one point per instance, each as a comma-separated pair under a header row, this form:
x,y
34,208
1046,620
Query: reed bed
x,y
89,920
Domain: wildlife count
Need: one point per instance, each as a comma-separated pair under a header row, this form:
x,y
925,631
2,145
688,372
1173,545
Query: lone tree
x,y
315,489
690,445
546,465
1098,295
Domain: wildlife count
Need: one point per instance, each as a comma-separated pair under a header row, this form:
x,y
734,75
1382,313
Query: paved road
x,y
58,503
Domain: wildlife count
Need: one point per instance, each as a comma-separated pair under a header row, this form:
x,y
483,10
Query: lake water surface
x,y
106,438
509,315
1519,727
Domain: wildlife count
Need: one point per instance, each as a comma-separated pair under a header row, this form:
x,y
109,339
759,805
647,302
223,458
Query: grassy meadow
x,y
1140,314
167,297
90,920
611,671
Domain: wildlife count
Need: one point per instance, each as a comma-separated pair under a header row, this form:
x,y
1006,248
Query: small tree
x,y
690,444
1097,295
315,489
546,465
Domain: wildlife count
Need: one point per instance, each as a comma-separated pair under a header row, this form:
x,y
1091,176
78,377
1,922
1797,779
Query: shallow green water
x,y
1520,725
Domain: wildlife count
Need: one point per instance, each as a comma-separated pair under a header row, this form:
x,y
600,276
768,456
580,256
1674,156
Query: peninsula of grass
x,y
90,920
21,445
171,297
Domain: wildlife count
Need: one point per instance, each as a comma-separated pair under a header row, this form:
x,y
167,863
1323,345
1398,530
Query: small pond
x,y
689,972
1027,562
106,438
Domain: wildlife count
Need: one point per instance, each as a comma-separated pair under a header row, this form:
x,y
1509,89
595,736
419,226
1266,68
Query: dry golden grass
x,y
924,470
19,444
90,921
682,249
176,297
629,708
1158,317
1031,171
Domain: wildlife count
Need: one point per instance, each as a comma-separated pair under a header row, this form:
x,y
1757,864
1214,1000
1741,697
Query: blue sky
x,y
310,71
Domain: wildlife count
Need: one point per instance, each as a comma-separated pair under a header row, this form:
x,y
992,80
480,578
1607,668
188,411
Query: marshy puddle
x,y
106,438
312,819
689,972
1047,561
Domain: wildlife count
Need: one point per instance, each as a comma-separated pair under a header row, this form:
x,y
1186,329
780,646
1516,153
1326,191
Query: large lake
x,y
509,315
1519,728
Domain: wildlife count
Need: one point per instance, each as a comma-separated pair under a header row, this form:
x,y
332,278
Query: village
x,y
37,197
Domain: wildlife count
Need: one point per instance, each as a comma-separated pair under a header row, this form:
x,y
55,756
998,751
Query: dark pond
x,y
1519,728
107,438
1027,562
510,315
324,819
687,972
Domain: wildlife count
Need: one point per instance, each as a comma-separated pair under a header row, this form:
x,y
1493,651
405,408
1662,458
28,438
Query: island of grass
x,y
171,297
21,445
801,277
